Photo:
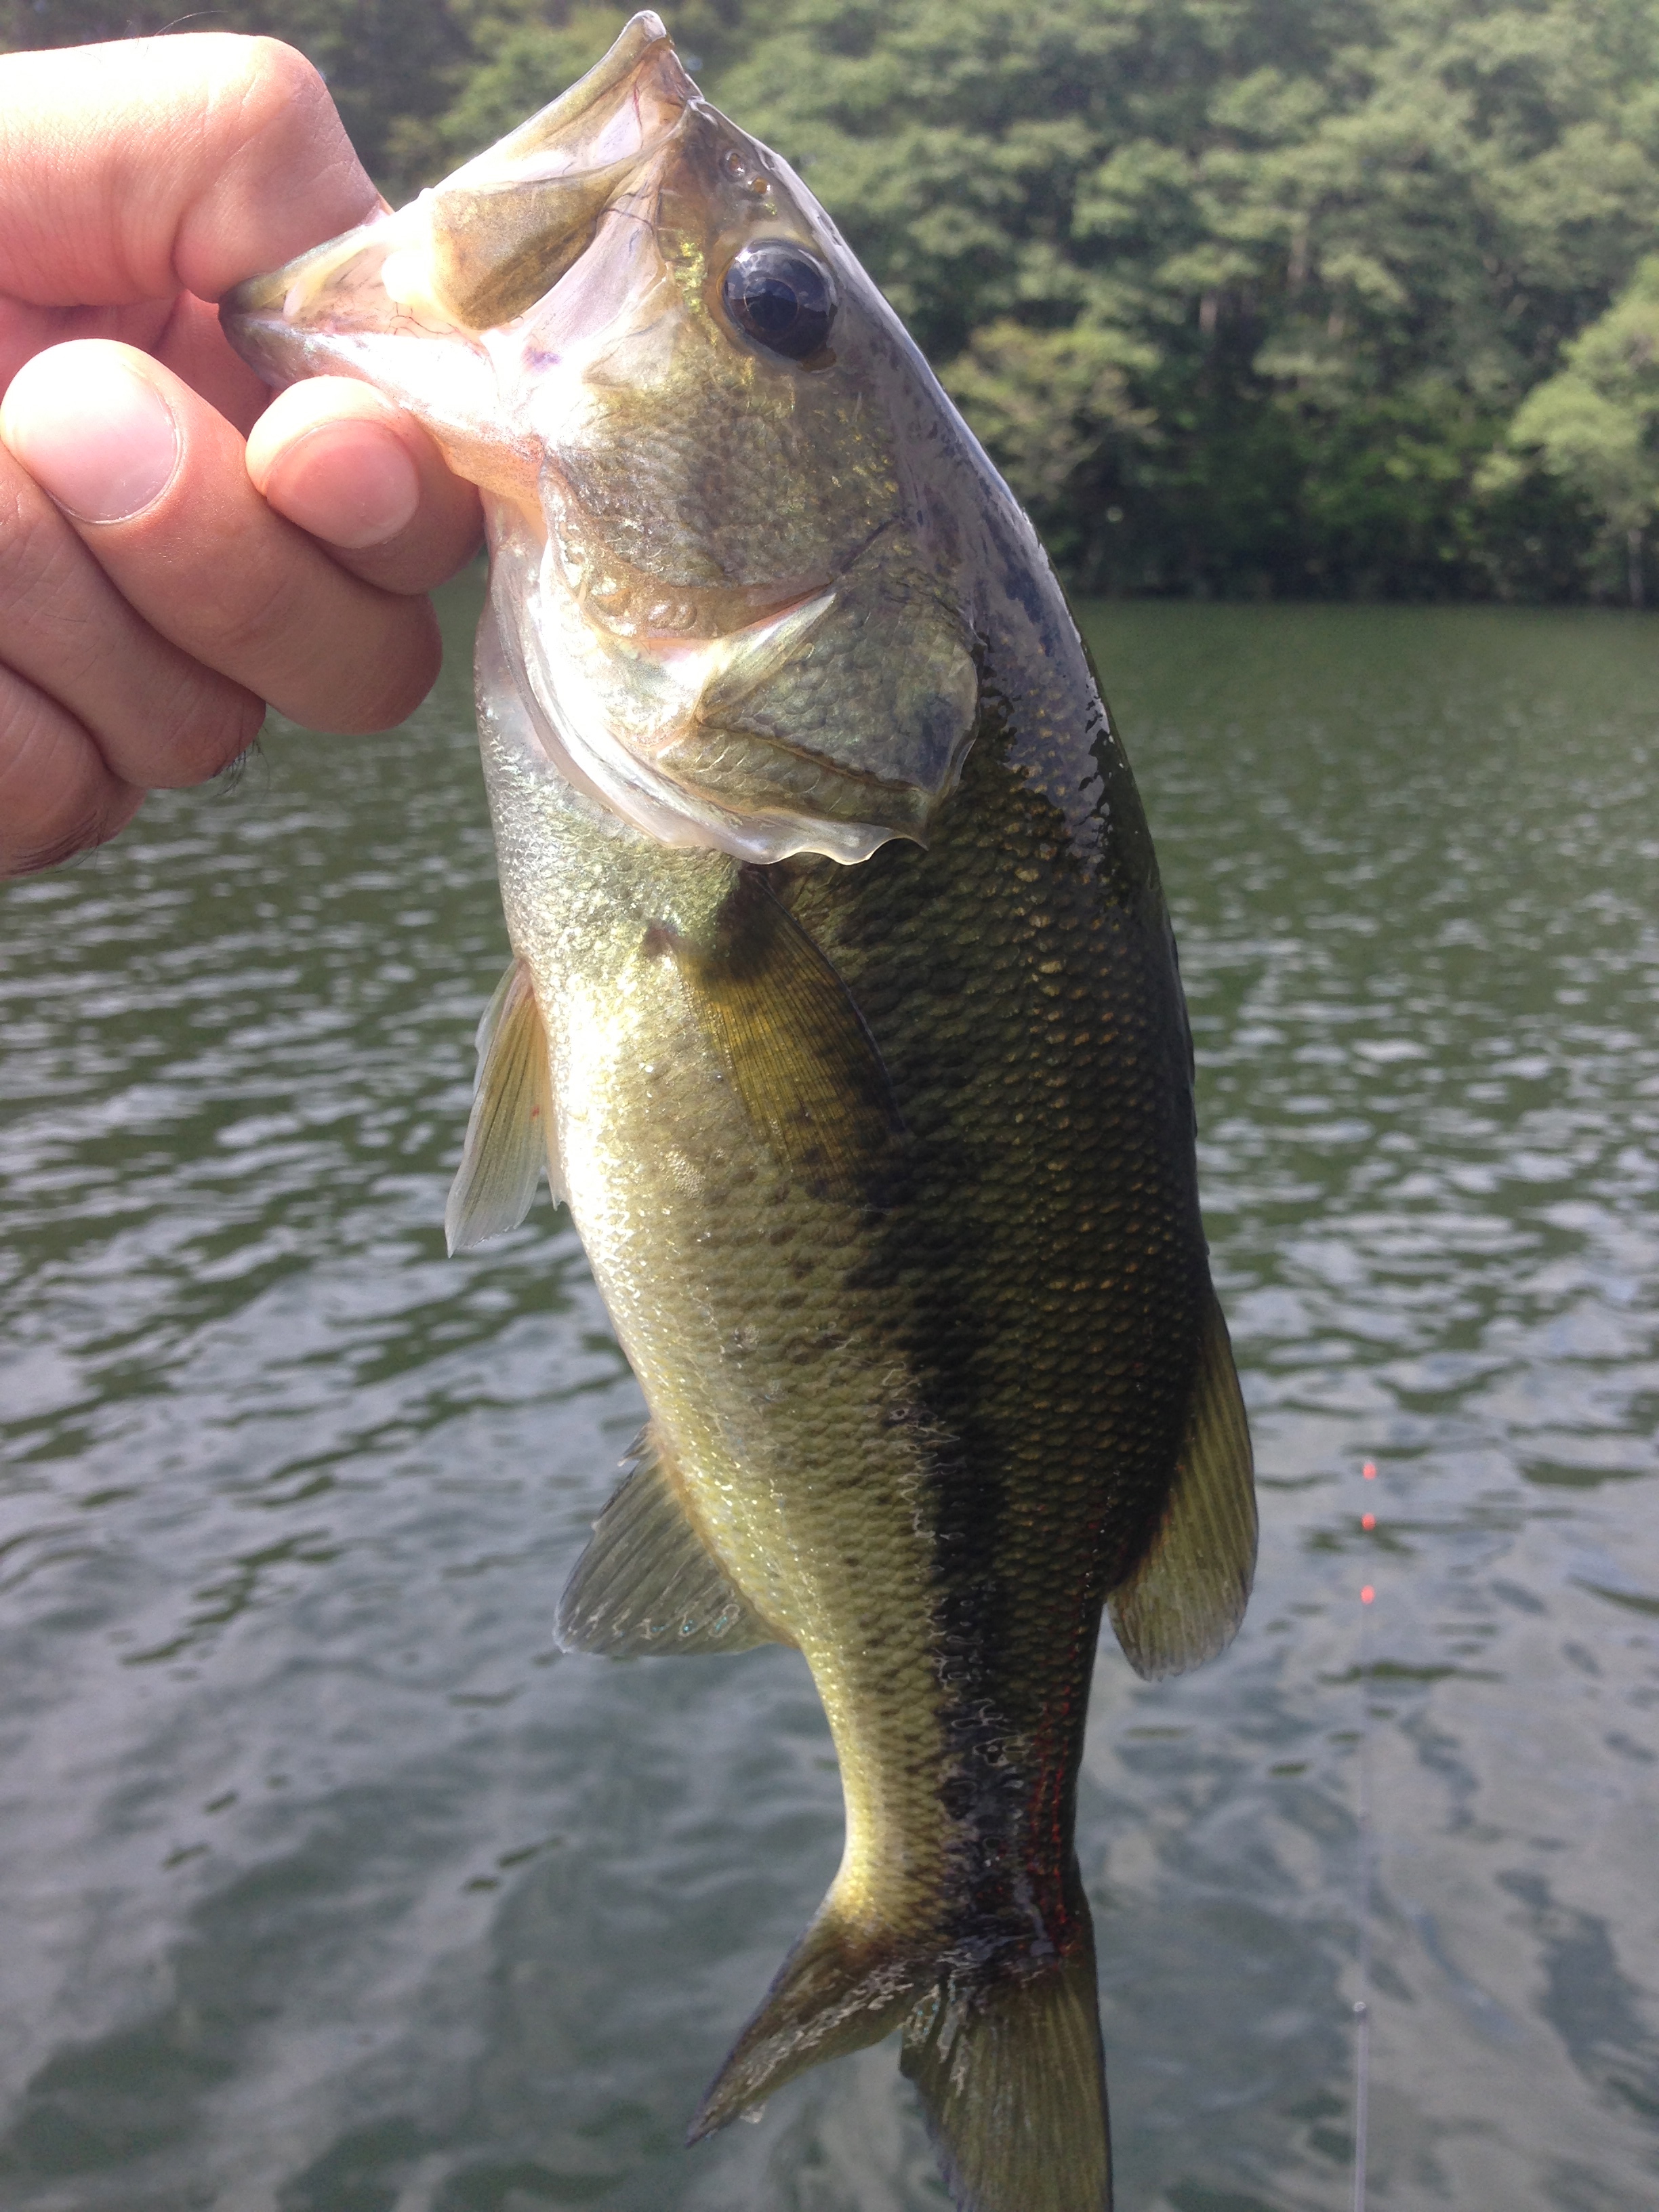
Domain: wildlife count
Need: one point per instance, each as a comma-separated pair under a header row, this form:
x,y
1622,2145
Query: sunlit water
x,y
329,1887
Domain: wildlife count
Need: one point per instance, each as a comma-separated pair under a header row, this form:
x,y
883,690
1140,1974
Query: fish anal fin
x,y
1185,1599
647,1585
807,1067
510,1136
836,1992
1012,2082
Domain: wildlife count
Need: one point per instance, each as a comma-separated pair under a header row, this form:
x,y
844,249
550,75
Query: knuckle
x,y
250,627
268,117
38,556
56,796
87,686
388,683
206,723
265,84
283,114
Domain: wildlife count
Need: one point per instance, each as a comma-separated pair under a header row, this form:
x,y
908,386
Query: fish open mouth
x,y
477,250
784,675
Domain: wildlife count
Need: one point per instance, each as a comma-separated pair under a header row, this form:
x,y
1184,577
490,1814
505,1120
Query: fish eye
x,y
779,295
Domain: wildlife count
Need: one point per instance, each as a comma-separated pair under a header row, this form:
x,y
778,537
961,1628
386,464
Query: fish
x,y
844,1015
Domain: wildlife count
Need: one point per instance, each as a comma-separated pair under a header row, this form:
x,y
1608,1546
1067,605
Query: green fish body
x,y
845,1014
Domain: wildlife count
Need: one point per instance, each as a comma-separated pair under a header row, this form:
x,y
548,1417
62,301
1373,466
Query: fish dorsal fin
x,y
648,1584
1184,1601
510,1136
807,1068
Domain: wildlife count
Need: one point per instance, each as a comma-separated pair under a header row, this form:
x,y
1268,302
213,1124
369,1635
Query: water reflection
x,y
332,1892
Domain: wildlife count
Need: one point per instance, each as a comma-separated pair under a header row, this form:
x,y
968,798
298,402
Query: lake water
x,y
330,1887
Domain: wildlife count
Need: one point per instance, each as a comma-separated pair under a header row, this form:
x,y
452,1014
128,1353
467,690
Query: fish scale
x,y
845,1009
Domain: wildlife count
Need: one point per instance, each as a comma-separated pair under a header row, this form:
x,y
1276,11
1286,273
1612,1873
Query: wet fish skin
x,y
846,1003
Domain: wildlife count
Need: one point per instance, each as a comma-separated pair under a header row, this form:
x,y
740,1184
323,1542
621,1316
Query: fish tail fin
x,y
841,1988
1009,2064
1013,2080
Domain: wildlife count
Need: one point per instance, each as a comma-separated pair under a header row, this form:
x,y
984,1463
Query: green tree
x,y
1594,425
518,55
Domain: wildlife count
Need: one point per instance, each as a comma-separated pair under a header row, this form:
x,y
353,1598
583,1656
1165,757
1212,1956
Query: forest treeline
x,y
1299,297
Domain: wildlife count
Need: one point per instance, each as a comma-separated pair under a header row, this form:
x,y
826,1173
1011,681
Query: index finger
x,y
136,171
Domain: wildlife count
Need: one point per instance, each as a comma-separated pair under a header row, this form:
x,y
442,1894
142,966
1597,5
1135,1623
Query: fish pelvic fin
x,y
1013,2080
1185,1599
647,1585
840,1989
510,1136
807,1068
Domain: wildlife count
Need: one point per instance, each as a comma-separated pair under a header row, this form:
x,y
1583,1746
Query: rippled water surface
x,y
330,1887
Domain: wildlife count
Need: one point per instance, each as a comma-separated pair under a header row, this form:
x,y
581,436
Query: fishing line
x,y
1362,2010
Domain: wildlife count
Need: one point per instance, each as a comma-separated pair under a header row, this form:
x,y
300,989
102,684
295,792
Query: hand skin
x,y
160,579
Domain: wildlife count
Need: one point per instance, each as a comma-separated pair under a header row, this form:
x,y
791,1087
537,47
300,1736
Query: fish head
x,y
728,569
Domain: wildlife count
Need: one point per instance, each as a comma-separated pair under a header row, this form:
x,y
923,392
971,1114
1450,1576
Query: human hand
x,y
152,600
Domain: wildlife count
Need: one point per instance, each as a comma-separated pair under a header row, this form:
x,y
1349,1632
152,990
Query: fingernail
x,y
93,432
352,483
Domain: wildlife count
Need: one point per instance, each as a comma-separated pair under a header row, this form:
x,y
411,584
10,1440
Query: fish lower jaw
x,y
765,777
662,807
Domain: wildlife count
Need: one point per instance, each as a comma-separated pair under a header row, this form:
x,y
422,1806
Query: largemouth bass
x,y
844,1014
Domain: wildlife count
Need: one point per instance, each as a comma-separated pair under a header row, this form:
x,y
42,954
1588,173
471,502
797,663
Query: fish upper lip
x,y
260,298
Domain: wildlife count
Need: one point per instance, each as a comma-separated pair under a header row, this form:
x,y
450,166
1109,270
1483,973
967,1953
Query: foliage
x,y
1324,248
522,54
1244,295
1595,424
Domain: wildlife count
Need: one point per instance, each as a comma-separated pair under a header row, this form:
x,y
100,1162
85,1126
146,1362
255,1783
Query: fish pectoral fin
x,y
807,1067
647,1585
1184,1601
510,1135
